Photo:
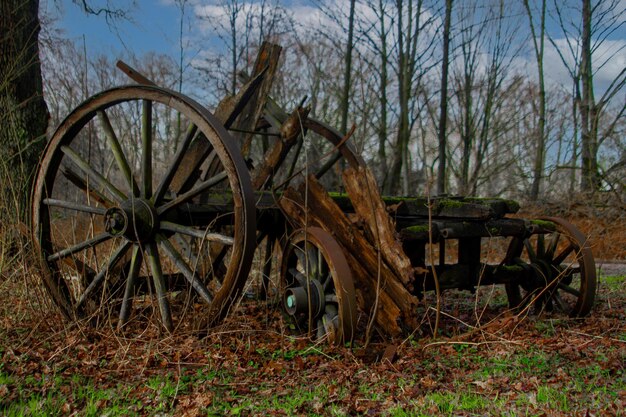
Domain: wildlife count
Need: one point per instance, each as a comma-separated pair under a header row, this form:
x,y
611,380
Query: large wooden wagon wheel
x,y
318,287
561,270
125,212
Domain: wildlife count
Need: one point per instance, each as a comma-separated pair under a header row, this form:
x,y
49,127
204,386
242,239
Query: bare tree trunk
x,y
443,114
347,76
384,78
407,38
541,128
589,132
23,112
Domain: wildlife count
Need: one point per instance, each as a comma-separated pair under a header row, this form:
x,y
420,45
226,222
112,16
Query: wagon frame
x,y
117,215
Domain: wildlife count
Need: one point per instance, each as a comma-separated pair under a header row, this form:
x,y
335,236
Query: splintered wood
x,y
381,271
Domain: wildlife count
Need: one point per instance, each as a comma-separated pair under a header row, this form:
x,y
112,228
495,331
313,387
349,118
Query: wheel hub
x,y
135,219
298,300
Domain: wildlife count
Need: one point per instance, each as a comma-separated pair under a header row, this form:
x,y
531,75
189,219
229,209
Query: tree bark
x,y
347,77
589,132
541,128
23,111
443,109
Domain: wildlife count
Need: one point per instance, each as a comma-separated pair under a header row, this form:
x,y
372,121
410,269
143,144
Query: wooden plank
x,y
368,205
266,61
440,207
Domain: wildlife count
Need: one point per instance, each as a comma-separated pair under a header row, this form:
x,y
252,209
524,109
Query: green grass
x,y
613,282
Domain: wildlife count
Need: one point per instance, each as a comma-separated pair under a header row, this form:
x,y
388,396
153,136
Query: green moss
x,y
418,228
449,204
335,194
545,224
510,268
512,205
396,200
341,199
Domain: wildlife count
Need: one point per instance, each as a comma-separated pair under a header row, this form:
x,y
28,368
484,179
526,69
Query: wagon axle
x,y
298,300
135,219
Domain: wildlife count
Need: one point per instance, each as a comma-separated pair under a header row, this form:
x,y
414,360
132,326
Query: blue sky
x,y
154,26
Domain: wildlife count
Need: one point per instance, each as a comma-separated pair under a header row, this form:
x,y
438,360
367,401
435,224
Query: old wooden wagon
x,y
145,199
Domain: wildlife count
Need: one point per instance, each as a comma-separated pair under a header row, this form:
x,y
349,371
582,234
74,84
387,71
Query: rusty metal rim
x,y
225,147
340,272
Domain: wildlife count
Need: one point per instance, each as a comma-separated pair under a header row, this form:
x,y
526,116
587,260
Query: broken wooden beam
x,y
368,205
378,284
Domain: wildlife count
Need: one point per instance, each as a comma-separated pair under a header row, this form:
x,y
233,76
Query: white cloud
x,y
608,60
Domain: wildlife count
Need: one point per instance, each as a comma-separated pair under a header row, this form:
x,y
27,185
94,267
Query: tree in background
x,y
23,111
585,40
538,40
443,114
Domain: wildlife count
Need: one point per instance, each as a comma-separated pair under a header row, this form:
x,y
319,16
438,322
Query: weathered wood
x,y
396,305
231,107
290,131
368,204
241,112
266,61
441,207
388,313
133,74
455,229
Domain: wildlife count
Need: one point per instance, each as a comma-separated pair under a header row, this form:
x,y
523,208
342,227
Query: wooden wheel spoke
x,y
79,182
541,246
200,188
95,176
313,260
513,251
74,206
336,156
558,260
568,289
118,153
197,233
154,262
331,298
89,243
189,275
552,245
127,302
146,149
298,277
532,255
327,282
178,158
560,303
97,280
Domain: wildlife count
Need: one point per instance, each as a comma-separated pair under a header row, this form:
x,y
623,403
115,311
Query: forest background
x,y
531,105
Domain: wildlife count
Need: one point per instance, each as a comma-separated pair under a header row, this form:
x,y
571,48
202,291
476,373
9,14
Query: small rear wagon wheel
x,y
318,287
119,227
561,271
